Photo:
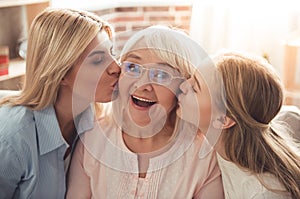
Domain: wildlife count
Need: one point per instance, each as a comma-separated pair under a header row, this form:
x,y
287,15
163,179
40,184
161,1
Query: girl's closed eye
x,y
196,86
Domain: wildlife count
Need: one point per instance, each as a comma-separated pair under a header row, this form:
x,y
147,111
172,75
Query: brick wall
x,y
125,19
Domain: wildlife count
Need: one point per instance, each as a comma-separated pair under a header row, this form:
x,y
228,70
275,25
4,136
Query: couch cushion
x,y
4,93
291,115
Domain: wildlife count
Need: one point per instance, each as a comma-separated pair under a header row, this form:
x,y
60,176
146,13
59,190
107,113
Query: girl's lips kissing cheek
x,y
115,86
141,103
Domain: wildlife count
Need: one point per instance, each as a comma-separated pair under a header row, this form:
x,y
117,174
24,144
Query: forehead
x,y
101,41
143,56
148,58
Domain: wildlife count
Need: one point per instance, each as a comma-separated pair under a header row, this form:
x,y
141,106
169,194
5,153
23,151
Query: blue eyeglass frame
x,y
153,72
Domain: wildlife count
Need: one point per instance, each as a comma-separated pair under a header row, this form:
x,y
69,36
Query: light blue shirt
x,y
32,152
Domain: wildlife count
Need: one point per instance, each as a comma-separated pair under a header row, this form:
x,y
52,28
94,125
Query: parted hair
x,y
56,40
253,97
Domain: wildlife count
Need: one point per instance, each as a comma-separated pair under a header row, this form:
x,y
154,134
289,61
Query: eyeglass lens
x,y
155,75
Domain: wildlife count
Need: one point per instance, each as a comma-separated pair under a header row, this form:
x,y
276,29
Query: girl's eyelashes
x,y
196,86
195,89
112,52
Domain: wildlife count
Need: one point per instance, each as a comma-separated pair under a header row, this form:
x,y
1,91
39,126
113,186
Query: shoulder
x,y
240,183
103,128
205,147
259,187
290,116
102,134
236,179
201,155
14,118
17,130
200,147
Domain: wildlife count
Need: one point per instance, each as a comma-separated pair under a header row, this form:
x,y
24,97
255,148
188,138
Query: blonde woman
x,y
146,151
258,157
68,66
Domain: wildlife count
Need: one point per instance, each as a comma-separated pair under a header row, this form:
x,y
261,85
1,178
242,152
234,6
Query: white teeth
x,y
144,100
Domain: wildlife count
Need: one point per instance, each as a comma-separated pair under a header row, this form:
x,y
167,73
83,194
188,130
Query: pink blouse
x,y
98,171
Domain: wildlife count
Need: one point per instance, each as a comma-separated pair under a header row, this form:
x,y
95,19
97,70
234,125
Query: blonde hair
x,y
253,96
56,40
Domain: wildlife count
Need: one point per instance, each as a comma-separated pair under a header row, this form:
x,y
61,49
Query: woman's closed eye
x,y
97,57
97,60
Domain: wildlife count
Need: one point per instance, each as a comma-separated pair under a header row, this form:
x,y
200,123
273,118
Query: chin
x,y
142,123
103,99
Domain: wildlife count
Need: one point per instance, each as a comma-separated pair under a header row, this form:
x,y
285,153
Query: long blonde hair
x,y
253,97
56,40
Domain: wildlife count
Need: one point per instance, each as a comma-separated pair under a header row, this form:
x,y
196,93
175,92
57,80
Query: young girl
x,y
146,151
258,158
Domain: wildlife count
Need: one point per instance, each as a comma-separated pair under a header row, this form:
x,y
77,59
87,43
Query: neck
x,y
150,144
219,144
66,115
66,123
220,147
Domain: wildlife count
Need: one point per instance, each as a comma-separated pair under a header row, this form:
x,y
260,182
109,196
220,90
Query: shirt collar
x,y
49,133
85,121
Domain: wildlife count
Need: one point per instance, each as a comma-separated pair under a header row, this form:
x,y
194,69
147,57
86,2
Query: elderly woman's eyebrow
x,y
165,64
134,56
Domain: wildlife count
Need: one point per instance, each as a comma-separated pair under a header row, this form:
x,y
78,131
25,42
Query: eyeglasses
x,y
155,74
